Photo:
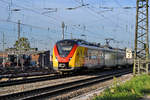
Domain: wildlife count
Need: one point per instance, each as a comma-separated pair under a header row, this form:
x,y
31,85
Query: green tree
x,y
22,43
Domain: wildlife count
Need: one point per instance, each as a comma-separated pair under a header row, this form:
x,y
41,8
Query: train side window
x,y
85,54
100,54
89,55
77,53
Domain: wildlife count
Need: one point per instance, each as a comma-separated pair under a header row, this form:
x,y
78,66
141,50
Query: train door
x,y
107,58
101,60
88,60
92,58
115,58
110,58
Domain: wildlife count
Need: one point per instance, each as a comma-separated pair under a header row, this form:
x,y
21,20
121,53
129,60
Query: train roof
x,y
85,43
81,42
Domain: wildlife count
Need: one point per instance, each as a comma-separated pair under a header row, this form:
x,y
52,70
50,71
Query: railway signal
x,y
128,53
3,49
63,26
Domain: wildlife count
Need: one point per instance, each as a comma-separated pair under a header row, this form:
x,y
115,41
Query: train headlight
x,y
70,58
56,59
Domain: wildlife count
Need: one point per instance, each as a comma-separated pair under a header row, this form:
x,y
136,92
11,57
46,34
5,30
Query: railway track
x,y
33,79
29,80
51,91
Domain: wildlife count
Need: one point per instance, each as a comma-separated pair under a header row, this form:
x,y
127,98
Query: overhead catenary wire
x,y
29,10
98,16
102,15
33,26
32,10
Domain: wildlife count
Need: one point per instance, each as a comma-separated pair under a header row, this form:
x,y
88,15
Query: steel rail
x,y
29,80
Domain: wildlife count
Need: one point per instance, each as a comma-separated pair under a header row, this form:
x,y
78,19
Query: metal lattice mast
x,y
141,54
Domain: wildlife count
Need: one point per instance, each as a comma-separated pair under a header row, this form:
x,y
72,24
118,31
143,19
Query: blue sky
x,y
43,27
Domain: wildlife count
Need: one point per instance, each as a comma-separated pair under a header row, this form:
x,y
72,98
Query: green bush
x,y
131,90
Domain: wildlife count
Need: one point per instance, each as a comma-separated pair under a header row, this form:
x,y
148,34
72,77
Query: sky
x,y
41,21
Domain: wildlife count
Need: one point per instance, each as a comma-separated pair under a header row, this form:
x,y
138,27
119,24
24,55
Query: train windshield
x,y
64,47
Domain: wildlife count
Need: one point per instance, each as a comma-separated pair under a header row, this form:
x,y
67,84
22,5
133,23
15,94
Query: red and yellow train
x,y
71,54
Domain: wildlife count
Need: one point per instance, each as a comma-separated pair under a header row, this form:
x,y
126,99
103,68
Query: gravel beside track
x,y
92,91
29,74
30,80
42,84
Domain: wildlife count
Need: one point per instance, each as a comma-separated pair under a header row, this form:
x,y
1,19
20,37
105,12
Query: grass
x,y
134,89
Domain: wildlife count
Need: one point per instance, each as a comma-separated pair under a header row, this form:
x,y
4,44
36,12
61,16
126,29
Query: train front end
x,y
63,55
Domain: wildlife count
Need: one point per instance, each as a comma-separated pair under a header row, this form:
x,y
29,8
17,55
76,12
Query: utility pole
x,y
19,55
3,49
71,35
18,43
141,49
63,26
18,30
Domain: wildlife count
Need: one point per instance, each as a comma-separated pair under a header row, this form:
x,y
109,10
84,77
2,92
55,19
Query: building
x,y
26,58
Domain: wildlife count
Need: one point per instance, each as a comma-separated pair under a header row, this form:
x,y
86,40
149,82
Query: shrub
x,y
131,90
